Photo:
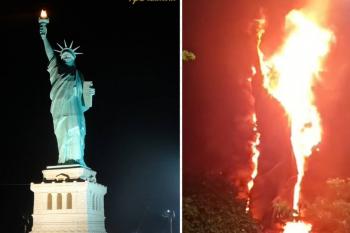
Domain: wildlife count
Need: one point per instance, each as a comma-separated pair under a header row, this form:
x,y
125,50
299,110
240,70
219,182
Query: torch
x,y
43,19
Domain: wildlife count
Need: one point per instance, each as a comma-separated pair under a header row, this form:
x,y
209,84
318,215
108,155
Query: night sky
x,y
131,53
217,102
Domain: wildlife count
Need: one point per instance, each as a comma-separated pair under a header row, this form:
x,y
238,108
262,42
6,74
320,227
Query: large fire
x,y
289,76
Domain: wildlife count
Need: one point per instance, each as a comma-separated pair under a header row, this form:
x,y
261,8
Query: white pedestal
x,y
68,200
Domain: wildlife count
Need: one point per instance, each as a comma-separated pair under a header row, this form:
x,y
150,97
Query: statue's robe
x,y
67,109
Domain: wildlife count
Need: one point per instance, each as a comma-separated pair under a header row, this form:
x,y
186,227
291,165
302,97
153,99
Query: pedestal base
x,y
68,200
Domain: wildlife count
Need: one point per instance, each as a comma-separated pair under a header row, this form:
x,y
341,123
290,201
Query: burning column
x,y
254,150
289,76
254,144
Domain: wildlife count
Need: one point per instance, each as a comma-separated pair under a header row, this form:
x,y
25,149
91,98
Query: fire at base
x,y
297,227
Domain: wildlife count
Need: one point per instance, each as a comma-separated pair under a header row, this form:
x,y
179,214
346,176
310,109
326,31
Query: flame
x,y
297,227
289,76
43,14
256,153
254,148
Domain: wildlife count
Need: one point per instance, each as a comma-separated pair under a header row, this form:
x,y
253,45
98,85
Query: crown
x,y
69,49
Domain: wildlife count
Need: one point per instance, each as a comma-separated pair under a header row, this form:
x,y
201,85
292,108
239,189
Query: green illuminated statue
x,y
70,97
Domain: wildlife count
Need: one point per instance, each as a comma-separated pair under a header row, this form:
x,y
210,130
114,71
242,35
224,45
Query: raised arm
x,y
47,45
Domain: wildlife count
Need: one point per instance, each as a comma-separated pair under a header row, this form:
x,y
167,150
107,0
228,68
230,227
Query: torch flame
x,y
297,227
289,76
43,14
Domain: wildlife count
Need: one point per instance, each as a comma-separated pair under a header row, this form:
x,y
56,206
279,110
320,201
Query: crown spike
x,y
59,51
59,46
66,48
76,48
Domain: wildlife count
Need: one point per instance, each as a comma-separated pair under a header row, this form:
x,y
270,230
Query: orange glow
x,y
297,227
43,14
289,76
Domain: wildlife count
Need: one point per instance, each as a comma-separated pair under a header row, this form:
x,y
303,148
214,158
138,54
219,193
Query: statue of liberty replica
x,y
68,103
68,199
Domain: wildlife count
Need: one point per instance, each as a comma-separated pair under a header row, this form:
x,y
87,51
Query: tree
x,y
209,205
282,212
330,211
188,56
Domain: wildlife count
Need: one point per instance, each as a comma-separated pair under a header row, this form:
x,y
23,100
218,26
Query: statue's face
x,y
68,58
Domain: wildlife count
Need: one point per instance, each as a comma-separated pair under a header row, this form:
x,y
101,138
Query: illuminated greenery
x,y
282,212
330,211
188,56
210,206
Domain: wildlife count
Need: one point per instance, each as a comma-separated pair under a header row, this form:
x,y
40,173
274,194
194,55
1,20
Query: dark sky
x,y
131,53
217,101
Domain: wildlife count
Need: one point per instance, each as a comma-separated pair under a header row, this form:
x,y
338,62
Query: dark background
x,y
217,101
131,53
